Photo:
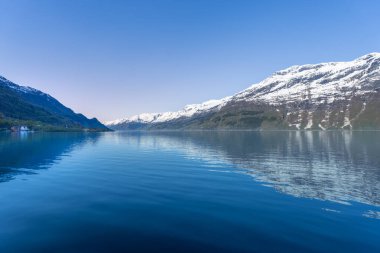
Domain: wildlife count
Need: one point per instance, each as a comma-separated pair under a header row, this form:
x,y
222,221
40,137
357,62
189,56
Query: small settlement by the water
x,y
20,129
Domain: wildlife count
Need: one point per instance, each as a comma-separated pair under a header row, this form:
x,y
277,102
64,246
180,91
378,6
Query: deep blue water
x,y
190,192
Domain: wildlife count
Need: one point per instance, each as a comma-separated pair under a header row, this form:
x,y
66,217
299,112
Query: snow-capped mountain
x,y
188,111
313,96
325,82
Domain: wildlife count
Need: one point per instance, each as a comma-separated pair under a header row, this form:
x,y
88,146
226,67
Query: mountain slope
x,y
337,95
25,105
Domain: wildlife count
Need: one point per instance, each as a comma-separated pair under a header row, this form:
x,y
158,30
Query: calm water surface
x,y
190,192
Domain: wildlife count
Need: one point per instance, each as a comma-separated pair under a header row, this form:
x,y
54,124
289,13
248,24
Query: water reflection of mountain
x,y
24,153
335,166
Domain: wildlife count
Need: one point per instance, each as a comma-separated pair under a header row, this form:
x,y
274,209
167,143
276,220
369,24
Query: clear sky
x,y
112,59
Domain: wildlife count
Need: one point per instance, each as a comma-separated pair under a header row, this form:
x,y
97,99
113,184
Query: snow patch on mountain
x,y
24,89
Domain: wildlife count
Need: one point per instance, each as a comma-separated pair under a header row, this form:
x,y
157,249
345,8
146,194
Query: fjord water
x,y
190,192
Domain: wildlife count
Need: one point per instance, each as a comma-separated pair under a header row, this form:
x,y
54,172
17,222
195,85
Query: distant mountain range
x,y
20,105
336,95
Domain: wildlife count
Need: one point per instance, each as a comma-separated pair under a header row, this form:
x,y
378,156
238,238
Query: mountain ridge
x,y
28,106
332,95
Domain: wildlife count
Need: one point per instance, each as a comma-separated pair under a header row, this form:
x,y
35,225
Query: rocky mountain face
x,y
336,95
28,106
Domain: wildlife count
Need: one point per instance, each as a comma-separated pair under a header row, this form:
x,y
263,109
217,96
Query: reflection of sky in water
x,y
337,166
342,167
196,191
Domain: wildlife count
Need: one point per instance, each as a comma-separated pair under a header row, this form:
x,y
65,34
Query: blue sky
x,y
112,59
